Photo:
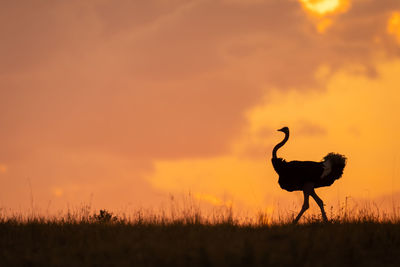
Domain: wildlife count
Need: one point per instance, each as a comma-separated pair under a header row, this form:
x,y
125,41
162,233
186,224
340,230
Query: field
x,y
105,240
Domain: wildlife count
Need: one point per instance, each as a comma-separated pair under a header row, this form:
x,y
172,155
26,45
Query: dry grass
x,y
186,237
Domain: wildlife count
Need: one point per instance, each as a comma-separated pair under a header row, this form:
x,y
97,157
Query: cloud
x,y
310,128
150,81
157,80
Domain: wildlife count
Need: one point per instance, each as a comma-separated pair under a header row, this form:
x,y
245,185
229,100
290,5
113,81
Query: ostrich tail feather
x,y
337,162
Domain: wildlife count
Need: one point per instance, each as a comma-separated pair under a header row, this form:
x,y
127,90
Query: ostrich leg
x,y
305,206
307,191
320,203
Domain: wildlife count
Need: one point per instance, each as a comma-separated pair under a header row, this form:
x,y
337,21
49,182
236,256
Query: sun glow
x,y
393,26
322,7
213,200
58,192
3,168
323,11
324,25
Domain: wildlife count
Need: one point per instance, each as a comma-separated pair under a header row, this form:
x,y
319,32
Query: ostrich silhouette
x,y
307,175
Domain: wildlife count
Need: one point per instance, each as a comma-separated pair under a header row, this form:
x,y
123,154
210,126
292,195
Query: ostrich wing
x,y
294,174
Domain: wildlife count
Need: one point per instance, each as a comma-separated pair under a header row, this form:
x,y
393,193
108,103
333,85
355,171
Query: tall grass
x,y
190,212
187,235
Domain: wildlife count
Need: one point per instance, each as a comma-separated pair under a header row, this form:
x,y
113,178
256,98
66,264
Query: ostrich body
x,y
307,175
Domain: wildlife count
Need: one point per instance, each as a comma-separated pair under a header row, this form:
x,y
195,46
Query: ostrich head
x,y
284,129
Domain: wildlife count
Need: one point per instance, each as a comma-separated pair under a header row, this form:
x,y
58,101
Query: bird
x,y
307,175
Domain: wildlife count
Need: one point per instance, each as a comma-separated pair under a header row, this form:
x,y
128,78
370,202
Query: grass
x,y
189,239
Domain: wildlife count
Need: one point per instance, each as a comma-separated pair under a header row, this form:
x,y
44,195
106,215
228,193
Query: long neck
x,y
279,145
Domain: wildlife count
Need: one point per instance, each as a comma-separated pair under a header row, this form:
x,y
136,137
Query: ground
x,y
116,243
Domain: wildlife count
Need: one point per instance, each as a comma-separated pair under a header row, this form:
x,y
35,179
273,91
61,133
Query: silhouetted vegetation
x,y
104,216
103,239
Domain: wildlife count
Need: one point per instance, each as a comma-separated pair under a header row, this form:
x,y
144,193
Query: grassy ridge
x,y
57,243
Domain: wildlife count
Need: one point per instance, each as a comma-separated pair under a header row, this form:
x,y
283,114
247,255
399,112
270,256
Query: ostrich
x,y
307,175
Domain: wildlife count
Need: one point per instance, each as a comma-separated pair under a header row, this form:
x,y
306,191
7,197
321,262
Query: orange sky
x,y
122,104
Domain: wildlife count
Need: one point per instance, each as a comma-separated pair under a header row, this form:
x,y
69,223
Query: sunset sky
x,y
122,104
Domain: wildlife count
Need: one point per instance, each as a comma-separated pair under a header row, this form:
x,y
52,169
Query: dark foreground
x,y
121,244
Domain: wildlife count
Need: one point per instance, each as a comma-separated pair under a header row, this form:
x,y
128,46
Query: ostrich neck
x,y
279,145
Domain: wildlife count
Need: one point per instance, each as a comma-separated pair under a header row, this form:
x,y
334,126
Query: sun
x,y
323,7
323,12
